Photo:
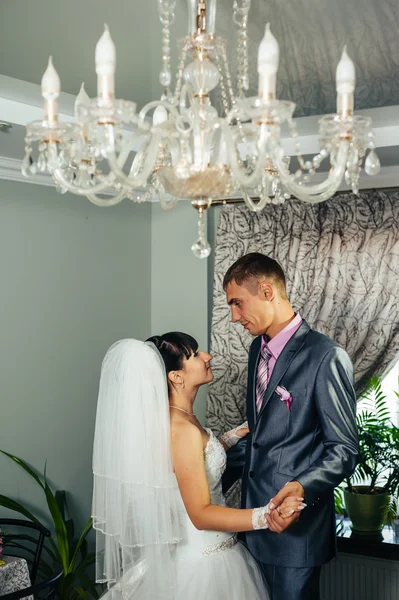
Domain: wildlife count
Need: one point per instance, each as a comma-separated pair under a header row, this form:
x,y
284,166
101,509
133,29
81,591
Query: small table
x,y
14,576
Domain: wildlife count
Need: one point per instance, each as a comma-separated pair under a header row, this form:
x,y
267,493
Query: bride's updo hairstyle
x,y
174,347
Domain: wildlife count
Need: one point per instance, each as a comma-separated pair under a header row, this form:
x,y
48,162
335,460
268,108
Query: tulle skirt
x,y
231,574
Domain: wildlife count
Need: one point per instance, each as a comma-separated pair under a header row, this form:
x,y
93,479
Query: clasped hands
x,y
285,508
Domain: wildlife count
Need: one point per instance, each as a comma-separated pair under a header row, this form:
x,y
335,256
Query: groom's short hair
x,y
255,266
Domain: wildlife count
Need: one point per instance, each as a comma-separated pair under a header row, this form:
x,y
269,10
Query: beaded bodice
x,y
196,542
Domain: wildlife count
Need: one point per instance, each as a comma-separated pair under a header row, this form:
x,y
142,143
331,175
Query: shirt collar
x,y
276,345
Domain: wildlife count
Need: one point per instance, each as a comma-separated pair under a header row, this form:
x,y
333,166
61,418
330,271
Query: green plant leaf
x,y
51,553
58,548
339,500
70,527
81,592
83,535
88,584
19,546
65,587
12,505
45,569
59,526
391,513
88,561
54,547
60,498
378,441
84,549
24,466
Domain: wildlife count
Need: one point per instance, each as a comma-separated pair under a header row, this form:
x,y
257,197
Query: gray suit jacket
x,y
314,443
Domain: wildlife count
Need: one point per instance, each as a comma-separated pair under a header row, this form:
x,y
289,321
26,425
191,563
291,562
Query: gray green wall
x,y
74,278
179,283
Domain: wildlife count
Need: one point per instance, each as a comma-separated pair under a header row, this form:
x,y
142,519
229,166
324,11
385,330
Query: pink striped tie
x,y
262,377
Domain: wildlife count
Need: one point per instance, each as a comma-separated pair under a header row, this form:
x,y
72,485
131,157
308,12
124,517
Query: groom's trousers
x,y
286,583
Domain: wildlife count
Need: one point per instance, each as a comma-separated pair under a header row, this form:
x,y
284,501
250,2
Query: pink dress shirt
x,y
276,345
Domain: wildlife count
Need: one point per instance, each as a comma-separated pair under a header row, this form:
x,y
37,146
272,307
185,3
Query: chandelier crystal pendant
x,y
180,147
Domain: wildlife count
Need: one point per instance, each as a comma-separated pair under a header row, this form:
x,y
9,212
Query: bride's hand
x,y
230,438
242,430
289,506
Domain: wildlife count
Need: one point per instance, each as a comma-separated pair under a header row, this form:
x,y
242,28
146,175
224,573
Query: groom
x,y
301,409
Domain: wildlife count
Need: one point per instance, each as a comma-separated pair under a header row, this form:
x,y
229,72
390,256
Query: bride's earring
x,y
182,385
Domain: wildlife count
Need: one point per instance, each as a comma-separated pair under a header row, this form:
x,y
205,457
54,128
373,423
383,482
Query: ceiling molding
x,y
10,169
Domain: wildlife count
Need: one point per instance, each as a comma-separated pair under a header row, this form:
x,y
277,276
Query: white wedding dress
x,y
146,546
209,564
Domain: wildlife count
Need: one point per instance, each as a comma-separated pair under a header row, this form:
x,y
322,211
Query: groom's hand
x,y
275,521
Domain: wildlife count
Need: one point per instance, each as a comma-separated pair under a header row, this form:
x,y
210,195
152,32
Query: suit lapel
x,y
283,362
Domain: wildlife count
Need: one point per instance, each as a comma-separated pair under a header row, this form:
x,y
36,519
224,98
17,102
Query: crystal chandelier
x,y
188,150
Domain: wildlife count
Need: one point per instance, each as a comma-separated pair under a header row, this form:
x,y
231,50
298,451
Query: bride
x,y
162,527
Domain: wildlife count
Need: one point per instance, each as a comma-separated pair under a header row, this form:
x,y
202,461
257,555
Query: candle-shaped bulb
x,y
105,54
51,84
160,115
81,99
345,74
268,54
105,68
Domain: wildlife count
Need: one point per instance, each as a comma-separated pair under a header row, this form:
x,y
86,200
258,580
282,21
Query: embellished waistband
x,y
221,547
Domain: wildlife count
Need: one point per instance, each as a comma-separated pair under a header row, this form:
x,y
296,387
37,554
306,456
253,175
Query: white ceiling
x,y
311,34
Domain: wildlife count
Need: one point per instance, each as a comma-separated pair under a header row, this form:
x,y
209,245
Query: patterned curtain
x,y
341,260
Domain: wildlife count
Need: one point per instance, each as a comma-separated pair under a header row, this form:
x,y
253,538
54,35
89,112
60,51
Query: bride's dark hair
x,y
174,347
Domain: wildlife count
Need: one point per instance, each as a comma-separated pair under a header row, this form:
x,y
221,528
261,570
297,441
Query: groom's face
x,y
249,306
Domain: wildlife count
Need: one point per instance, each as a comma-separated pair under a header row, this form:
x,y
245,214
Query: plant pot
x,y
367,511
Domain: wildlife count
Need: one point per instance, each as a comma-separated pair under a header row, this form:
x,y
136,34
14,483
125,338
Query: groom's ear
x,y
266,290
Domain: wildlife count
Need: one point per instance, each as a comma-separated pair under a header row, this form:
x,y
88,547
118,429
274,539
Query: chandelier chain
x,y
240,18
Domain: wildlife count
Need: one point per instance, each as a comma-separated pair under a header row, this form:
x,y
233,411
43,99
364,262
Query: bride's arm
x,y
188,460
232,437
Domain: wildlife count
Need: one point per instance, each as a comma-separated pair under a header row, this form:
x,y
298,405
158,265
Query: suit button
x,y
251,473
255,445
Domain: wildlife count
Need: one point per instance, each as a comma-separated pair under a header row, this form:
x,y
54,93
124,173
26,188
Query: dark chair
x,y
25,539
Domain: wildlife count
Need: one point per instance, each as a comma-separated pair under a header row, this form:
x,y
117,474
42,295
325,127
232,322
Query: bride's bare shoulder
x,y
185,434
182,427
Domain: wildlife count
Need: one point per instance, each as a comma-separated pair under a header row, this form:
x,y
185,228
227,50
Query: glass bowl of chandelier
x,y
195,167
357,131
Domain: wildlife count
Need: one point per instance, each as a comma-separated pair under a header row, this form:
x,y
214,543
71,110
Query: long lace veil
x,y
135,493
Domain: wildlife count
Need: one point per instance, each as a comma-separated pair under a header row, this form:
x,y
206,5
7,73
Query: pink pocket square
x,y
285,396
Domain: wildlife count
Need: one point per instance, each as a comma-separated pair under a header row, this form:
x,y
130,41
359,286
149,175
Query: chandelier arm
x,y
148,165
94,199
254,207
165,204
246,181
109,181
186,95
59,177
318,192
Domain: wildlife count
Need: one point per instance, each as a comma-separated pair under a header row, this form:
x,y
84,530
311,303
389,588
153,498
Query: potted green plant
x,y
66,549
371,492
